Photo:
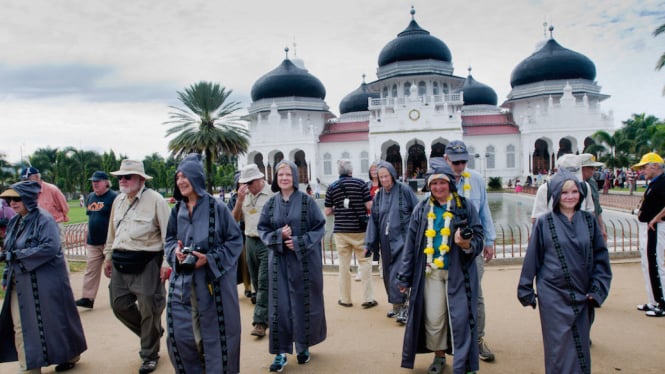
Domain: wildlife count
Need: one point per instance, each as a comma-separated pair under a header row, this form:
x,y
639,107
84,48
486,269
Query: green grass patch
x,y
76,213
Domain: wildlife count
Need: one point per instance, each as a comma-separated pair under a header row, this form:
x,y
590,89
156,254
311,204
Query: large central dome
x,y
288,80
553,62
414,43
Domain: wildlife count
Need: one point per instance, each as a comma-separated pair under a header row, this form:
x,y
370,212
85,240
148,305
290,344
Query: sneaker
x,y
403,315
259,330
303,357
656,312
148,366
484,352
278,363
369,304
437,365
85,302
646,307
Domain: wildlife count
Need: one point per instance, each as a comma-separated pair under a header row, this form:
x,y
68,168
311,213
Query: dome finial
x,y
545,29
469,69
413,13
363,78
295,52
286,52
551,32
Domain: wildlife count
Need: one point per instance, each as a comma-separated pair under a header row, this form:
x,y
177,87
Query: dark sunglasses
x,y
127,177
460,162
13,198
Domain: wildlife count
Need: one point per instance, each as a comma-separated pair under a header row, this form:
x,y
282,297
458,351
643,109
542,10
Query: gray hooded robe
x,y
295,303
565,276
214,284
52,330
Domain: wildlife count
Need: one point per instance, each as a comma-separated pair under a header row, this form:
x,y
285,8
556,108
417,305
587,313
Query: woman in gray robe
x,y
449,326
203,315
568,258
386,231
292,227
39,323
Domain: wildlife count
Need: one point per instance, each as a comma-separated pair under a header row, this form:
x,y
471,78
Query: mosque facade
x,y
416,106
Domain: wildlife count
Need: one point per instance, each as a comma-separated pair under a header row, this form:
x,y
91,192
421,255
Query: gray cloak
x,y
52,330
214,284
387,228
295,306
462,290
563,283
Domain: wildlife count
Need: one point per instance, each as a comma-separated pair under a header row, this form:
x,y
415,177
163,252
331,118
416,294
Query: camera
x,y
466,232
187,265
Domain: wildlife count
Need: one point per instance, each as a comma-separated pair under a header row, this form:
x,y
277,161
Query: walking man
x,y
253,194
98,209
349,200
652,234
134,259
472,186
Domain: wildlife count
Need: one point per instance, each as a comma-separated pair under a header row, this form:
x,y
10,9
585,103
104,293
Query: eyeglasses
x,y
127,177
460,162
13,198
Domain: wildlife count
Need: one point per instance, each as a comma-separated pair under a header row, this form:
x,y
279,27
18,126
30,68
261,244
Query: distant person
x,y
243,271
568,259
39,324
652,234
348,200
203,244
589,165
386,232
438,264
98,209
292,227
253,194
51,199
134,259
373,185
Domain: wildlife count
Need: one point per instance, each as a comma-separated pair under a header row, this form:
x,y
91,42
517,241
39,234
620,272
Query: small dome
x,y
288,80
414,43
553,62
476,93
357,100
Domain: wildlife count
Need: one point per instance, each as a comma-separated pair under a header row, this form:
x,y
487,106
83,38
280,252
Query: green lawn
x,y
76,213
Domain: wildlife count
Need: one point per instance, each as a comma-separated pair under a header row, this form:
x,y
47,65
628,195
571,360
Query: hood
x,y
29,192
389,167
192,167
294,170
556,186
438,165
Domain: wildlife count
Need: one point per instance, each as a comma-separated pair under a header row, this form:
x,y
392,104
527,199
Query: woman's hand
x,y
178,253
201,260
286,232
463,243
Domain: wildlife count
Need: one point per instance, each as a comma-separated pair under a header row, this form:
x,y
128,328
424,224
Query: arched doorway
x,y
416,164
258,160
565,147
541,157
438,149
394,157
301,163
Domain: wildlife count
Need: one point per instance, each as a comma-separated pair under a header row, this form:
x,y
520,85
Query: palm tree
x,y
612,148
206,125
661,61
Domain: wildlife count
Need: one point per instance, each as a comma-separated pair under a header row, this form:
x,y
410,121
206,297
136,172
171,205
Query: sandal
x,y
437,365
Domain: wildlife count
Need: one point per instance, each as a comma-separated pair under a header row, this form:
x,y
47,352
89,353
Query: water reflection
x,y
510,209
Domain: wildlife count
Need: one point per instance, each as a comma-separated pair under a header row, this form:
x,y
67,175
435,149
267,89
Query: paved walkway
x,y
365,341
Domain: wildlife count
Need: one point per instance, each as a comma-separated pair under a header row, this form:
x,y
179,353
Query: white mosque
x,y
417,105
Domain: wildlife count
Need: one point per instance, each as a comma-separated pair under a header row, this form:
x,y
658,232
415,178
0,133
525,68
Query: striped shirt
x,y
348,220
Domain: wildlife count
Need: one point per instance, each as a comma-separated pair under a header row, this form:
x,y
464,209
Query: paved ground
x,y
365,341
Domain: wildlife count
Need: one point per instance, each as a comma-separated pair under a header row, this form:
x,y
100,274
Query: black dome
x,y
553,62
357,101
414,43
476,93
288,80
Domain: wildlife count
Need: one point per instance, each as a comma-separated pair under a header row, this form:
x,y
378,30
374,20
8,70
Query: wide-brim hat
x,y
587,159
649,158
10,192
129,167
250,173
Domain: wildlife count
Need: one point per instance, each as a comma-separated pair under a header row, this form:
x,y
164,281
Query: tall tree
x,y
612,149
206,125
661,61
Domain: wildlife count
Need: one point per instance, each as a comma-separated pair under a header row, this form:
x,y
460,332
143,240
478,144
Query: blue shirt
x,y
478,198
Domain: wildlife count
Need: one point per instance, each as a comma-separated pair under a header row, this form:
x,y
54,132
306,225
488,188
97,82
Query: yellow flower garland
x,y
430,233
467,184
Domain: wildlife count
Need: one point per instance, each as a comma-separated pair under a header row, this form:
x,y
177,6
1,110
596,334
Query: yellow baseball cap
x,y
649,158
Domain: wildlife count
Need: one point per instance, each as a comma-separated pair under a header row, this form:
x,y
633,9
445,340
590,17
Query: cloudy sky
x,y
100,75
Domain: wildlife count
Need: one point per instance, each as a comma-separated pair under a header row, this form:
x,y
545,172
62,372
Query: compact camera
x,y
187,265
466,232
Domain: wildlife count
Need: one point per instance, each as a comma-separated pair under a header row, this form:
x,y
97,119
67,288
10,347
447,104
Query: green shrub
x,y
495,184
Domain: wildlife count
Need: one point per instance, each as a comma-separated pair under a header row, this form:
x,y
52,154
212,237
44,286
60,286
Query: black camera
x,y
466,232
187,265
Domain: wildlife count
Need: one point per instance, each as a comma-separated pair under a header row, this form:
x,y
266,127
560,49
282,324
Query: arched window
x,y
422,89
435,89
364,162
327,164
346,155
394,90
489,152
471,164
445,88
385,91
407,89
510,156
